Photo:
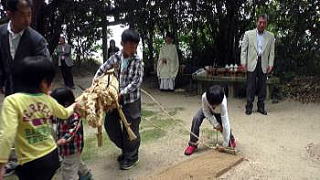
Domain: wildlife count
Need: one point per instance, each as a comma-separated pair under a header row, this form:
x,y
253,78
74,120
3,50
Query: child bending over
x,y
212,100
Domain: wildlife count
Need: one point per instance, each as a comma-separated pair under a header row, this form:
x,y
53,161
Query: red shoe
x,y
189,150
233,143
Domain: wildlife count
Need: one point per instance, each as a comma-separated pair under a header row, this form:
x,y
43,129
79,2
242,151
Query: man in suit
x,y
257,57
17,41
65,62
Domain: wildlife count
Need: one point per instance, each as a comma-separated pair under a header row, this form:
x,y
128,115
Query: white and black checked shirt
x,y
129,72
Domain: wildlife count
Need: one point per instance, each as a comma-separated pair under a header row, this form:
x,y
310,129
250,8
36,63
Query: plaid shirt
x,y
129,72
72,131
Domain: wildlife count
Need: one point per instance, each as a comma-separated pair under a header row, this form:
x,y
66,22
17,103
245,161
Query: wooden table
x,y
230,81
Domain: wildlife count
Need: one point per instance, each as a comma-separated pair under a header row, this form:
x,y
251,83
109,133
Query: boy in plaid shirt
x,y
129,71
70,140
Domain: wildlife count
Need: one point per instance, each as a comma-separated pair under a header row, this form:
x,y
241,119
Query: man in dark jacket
x,y
17,41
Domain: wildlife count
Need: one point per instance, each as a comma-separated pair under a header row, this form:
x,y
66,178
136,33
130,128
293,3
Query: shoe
x,y
262,111
189,150
233,143
248,108
88,176
128,164
10,168
248,111
120,158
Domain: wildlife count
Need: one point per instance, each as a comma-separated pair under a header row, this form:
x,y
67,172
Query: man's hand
x,y
61,141
120,99
2,90
269,69
218,128
243,67
2,171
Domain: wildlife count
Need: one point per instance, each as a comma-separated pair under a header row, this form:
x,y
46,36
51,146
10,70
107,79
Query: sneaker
x,y
88,176
128,164
10,168
189,150
233,143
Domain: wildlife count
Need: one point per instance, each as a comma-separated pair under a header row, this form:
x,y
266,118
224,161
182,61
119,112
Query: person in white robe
x,y
168,64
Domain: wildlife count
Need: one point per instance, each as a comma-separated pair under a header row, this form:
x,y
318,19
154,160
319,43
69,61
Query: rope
x,y
171,117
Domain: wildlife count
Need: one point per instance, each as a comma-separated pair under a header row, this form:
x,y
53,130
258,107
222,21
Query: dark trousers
x,y
119,135
256,84
66,74
43,168
196,123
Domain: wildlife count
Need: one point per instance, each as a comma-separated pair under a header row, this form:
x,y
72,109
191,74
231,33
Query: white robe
x,y
168,71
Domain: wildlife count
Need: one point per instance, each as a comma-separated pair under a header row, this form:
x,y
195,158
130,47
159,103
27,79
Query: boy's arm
x,y
106,66
137,78
59,111
207,112
8,128
225,122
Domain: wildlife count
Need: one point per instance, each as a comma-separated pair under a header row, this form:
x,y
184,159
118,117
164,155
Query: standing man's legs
x,y
251,90
69,77
63,68
261,89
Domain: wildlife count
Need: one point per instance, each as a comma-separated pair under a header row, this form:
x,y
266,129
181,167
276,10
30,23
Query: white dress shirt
x,y
260,42
14,40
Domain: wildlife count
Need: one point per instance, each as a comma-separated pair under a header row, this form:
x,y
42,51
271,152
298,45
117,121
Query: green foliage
x,y
206,32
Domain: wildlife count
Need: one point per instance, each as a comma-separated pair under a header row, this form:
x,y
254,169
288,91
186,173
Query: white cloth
x,y
260,42
14,40
72,166
167,83
208,113
168,62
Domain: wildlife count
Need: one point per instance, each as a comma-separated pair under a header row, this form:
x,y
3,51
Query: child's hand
x,y
61,141
220,148
218,128
76,107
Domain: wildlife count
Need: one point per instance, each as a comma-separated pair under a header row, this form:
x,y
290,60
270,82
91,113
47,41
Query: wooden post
x,y
99,136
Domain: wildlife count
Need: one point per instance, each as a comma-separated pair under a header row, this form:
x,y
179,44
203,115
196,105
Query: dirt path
x,y
277,146
285,144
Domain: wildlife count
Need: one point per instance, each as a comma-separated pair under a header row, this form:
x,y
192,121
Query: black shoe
x,y
128,164
248,111
262,111
120,158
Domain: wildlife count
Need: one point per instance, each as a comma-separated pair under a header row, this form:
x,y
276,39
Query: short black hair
x,y
130,35
263,16
215,95
170,35
12,5
64,96
28,73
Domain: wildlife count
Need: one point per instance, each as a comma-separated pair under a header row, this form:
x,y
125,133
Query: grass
x,y
91,150
151,134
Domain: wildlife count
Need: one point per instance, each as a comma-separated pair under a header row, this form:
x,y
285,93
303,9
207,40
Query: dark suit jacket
x,y
31,44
